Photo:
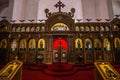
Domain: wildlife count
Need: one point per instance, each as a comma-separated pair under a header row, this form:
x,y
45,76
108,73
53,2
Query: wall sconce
x,y
41,20
21,20
12,21
117,16
108,20
31,20
89,20
3,17
98,20
78,20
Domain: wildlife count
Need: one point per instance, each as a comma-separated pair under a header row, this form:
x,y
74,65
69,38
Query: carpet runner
x,y
60,69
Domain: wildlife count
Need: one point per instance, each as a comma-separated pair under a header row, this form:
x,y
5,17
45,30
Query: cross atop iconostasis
x,y
59,5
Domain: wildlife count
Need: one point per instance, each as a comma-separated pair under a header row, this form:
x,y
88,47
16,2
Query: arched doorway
x,y
60,48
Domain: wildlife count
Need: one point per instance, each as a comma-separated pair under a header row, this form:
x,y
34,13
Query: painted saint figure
x,y
41,45
97,45
117,44
88,45
78,44
107,46
3,44
23,44
117,52
14,45
32,45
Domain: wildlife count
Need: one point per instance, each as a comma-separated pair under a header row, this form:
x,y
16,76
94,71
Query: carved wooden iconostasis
x,y
60,39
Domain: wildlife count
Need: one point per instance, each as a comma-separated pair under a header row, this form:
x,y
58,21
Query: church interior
x,y
59,40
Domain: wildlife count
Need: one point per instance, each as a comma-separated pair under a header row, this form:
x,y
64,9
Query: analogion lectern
x,y
105,71
12,71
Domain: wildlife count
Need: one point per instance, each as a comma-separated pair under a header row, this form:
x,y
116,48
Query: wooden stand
x,y
105,71
12,71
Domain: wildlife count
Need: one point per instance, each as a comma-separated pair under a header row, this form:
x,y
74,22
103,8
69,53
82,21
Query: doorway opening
x,y
60,48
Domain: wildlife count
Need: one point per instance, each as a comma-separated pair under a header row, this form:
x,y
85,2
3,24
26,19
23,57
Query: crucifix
x,y
60,5
16,58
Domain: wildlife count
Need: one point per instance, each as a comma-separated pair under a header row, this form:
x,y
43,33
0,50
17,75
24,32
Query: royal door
x,y
60,48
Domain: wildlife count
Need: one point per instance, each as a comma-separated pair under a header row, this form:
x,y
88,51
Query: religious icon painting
x,y
32,44
28,29
22,44
3,43
37,29
117,42
97,44
14,45
106,44
81,28
78,44
88,44
76,28
92,28
41,44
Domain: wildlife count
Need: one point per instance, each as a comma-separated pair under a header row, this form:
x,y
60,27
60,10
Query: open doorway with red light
x,y
60,49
